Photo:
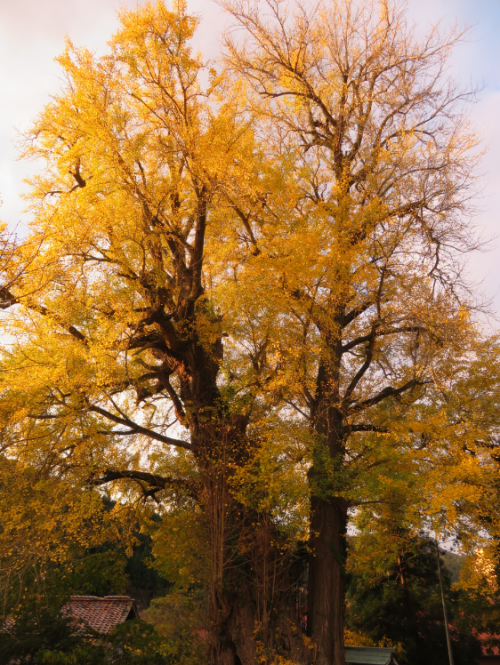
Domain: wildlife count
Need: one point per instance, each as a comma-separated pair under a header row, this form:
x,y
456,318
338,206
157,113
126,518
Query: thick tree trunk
x,y
326,592
240,638
245,645
249,612
252,612
326,586
236,639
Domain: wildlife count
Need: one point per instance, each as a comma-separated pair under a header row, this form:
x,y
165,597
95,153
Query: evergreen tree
x,y
399,603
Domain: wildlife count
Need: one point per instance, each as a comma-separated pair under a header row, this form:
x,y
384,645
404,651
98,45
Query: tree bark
x,y
252,611
326,585
326,589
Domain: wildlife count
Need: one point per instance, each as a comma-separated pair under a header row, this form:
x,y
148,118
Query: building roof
x,y
102,614
369,656
489,644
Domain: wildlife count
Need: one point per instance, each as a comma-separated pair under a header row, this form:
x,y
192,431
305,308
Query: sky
x,y
32,34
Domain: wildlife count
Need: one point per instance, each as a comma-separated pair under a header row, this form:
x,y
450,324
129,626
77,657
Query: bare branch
x,y
155,482
138,429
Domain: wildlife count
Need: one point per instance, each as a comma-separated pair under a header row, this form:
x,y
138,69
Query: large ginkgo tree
x,y
240,300
114,375
367,264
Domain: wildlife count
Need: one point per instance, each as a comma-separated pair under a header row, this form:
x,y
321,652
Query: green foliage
x,y
96,574
37,628
144,581
132,643
136,643
399,602
179,618
42,633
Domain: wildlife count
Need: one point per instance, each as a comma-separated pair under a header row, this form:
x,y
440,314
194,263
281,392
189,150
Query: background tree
x,y
394,594
367,268
45,634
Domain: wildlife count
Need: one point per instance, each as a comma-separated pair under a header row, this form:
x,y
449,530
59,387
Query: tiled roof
x,y
102,614
369,656
489,644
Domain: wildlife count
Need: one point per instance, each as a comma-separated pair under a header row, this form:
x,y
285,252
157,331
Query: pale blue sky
x,y
32,33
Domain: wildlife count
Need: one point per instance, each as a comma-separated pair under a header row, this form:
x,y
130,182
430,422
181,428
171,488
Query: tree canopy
x,y
240,302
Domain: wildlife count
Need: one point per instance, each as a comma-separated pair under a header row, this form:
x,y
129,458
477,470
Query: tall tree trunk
x,y
326,592
326,586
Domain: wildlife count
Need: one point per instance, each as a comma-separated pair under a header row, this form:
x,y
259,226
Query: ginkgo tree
x,y
366,265
113,373
240,298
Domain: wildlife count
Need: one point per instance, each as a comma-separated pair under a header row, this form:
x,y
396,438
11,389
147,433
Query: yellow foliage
x,y
478,573
240,293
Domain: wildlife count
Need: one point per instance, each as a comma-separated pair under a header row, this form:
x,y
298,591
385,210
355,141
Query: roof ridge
x,y
371,648
127,598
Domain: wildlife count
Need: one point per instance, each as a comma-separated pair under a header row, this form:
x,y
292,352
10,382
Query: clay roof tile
x,y
102,614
